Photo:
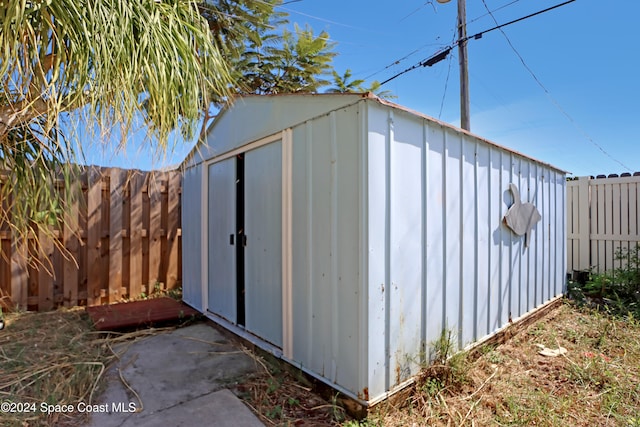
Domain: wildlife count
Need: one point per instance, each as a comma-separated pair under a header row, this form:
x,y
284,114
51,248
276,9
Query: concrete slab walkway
x,y
176,378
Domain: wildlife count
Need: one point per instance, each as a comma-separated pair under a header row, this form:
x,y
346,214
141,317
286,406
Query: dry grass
x,y
596,383
57,358
53,358
282,396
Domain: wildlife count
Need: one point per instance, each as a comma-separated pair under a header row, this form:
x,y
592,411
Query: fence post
x,y
584,224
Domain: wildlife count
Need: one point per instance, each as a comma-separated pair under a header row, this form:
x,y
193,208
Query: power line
x,y
434,59
553,100
419,9
444,93
398,61
494,10
446,82
442,54
481,33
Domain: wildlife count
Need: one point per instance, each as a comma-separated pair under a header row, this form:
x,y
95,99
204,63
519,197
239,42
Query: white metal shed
x,y
343,233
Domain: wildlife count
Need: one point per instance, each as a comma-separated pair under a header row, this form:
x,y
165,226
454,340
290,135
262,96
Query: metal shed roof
x,y
252,117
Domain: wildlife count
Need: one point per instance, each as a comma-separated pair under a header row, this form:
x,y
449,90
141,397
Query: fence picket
x,y
123,232
71,243
155,188
607,221
135,242
94,233
46,273
116,190
174,231
19,274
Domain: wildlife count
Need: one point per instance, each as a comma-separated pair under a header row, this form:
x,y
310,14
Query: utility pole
x,y
465,122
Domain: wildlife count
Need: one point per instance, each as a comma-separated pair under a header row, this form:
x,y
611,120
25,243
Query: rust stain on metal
x,y
365,392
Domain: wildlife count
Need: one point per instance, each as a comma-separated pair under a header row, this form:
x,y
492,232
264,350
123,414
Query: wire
x,y
419,9
494,10
446,82
398,61
442,54
497,27
553,100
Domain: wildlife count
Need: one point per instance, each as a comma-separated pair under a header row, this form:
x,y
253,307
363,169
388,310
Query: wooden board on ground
x,y
139,314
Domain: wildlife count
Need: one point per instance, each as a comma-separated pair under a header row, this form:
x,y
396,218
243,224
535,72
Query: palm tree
x,y
344,84
112,60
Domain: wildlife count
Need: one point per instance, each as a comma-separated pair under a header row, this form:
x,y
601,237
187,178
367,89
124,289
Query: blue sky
x,y
585,54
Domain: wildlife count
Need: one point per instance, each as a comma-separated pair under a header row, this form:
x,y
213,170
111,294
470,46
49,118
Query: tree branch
x,y
13,115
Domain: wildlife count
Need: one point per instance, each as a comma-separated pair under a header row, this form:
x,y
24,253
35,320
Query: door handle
x,y
231,238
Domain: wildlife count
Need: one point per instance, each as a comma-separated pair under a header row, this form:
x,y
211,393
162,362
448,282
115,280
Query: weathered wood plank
x,y
45,272
136,181
5,272
126,233
83,256
32,274
19,274
164,221
71,243
5,255
94,233
104,239
145,233
155,232
116,197
173,225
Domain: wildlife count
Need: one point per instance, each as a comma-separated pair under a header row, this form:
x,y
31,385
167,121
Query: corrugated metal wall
x,y
192,229
220,217
395,224
328,317
263,252
439,255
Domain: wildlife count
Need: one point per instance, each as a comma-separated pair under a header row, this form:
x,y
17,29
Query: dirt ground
x,y
57,357
595,383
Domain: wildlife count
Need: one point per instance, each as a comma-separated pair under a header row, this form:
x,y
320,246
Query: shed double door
x,y
245,241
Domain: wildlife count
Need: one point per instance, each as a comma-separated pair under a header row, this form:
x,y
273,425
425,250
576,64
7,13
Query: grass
x,y
57,358
280,395
49,358
54,358
597,382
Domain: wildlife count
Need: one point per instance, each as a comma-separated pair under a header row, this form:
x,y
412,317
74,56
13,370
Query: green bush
x,y
617,291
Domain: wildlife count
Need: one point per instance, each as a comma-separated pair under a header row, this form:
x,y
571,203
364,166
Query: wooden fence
x,y
124,233
602,218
